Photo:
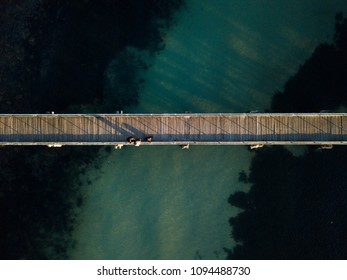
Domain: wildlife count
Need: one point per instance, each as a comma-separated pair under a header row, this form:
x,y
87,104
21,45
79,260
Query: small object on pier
x,y
256,146
138,142
54,145
149,138
118,146
185,147
131,140
52,112
326,147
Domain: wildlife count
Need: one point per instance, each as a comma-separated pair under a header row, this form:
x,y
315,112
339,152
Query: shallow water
x,y
160,203
222,56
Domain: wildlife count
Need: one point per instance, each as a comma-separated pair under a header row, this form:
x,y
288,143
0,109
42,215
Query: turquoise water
x,y
222,56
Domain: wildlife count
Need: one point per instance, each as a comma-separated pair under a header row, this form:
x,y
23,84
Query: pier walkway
x,y
180,129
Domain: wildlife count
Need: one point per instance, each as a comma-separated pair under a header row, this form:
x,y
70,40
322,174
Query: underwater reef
x,y
65,56
296,206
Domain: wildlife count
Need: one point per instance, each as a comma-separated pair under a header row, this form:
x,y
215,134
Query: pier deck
x,y
166,129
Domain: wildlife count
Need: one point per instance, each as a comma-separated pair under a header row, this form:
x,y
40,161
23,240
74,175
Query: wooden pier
x,y
202,129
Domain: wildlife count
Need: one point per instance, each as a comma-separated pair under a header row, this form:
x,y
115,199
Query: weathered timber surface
x,y
205,129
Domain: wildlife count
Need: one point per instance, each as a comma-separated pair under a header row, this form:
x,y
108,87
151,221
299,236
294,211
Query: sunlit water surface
x,y
221,56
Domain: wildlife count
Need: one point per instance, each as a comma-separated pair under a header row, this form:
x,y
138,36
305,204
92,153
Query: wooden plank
x,y
202,128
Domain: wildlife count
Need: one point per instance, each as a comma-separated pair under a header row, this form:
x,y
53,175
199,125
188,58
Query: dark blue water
x,y
222,56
